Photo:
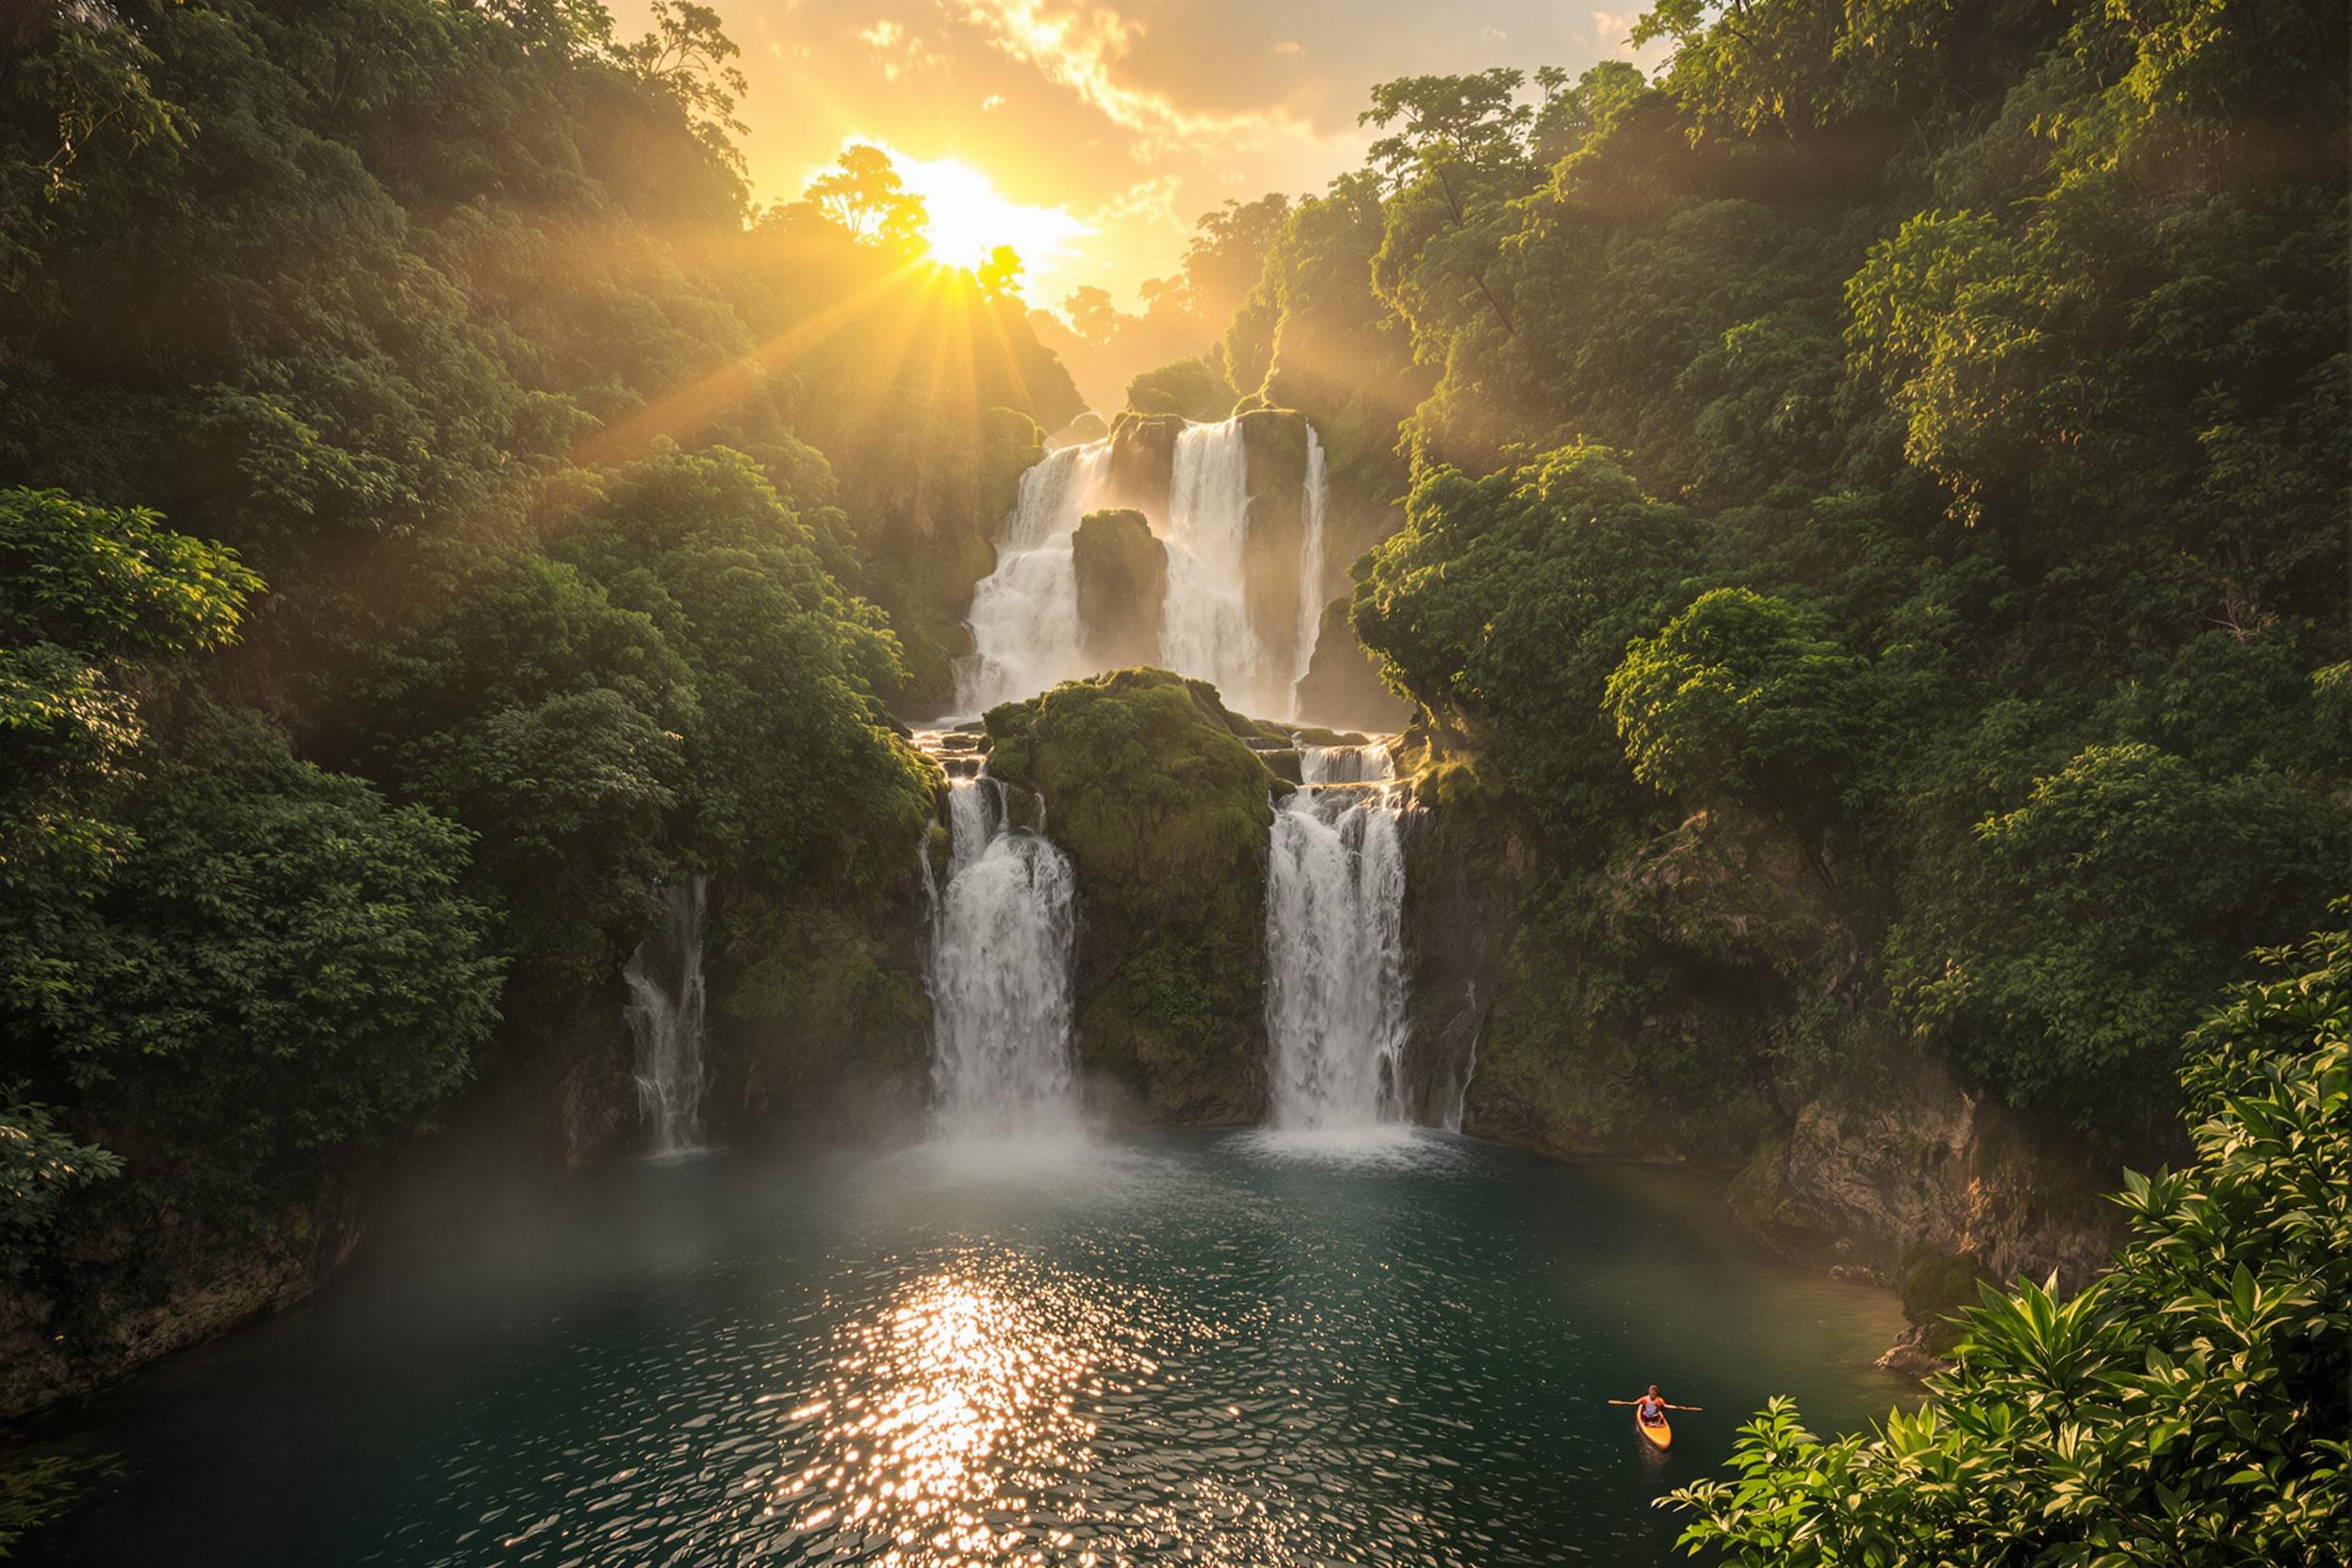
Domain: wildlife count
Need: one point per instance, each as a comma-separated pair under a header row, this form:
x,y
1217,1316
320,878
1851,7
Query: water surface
x,y
1220,1348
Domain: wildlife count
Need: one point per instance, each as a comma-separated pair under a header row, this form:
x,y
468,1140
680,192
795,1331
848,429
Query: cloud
x,y
1290,46
1614,32
1082,48
898,50
993,101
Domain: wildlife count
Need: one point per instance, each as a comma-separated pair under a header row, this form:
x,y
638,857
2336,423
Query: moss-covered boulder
x,y
1164,812
1121,569
1143,460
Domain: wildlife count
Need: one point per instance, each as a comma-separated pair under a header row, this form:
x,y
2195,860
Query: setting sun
x,y
969,217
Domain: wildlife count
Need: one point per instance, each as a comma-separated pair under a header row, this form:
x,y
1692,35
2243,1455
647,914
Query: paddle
x,y
1669,1407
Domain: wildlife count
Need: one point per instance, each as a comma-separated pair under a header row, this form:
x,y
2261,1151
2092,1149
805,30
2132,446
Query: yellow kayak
x,y
1661,1435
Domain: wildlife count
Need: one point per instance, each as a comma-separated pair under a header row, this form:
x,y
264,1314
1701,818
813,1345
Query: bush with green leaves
x,y
2188,1409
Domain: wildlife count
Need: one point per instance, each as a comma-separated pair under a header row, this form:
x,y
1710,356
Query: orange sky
x,y
1129,120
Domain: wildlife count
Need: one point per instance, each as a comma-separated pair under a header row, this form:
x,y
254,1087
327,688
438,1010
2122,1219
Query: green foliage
x,y
2081,921
1510,599
1145,783
1192,387
1743,696
2188,1408
39,1166
282,966
87,596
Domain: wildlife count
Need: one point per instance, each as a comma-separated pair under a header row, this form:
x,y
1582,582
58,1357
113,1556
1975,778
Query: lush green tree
x,y
2188,1408
864,195
1192,387
1745,696
282,966
2079,926
1505,603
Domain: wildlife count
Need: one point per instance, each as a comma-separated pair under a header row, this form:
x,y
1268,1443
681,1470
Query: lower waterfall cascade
x,y
1002,938
1024,617
666,1010
1334,944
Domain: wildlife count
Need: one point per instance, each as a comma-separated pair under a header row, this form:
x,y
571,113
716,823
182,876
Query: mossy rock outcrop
x,y
1122,568
1164,812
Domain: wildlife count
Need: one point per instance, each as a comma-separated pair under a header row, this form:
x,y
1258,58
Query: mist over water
x,y
1194,1348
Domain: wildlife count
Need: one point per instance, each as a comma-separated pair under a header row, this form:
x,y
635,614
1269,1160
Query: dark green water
x,y
1203,1349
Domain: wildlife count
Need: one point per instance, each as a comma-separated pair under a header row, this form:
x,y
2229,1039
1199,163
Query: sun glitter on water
x,y
952,1415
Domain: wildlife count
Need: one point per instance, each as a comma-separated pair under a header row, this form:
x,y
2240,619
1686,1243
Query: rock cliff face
x,y
1884,1168
1143,456
1461,865
177,1286
1341,688
1275,441
1163,809
1121,569
1902,1179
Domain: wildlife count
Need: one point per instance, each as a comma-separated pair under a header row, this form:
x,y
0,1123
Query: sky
x,y
1095,134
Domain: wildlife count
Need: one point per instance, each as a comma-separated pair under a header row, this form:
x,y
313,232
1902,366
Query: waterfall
x,y
1205,630
1310,574
1024,614
665,1013
1335,952
1370,764
1004,930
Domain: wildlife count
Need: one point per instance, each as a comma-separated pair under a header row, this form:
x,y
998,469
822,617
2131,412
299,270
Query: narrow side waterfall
x,y
1003,929
1310,574
1024,617
1334,951
666,1016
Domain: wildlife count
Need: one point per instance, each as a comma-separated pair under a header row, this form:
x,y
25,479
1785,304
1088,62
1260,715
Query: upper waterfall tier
x,y
1232,595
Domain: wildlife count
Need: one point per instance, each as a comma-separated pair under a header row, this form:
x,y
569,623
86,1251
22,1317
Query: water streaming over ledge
x,y
667,1016
1334,945
1004,927
1024,614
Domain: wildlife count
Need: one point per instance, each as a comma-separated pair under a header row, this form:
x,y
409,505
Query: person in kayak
x,y
1651,1409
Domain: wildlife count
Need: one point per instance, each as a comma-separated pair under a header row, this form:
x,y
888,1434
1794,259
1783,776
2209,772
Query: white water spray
x,y
1309,576
1004,930
1024,614
667,1014
1334,951
1374,763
